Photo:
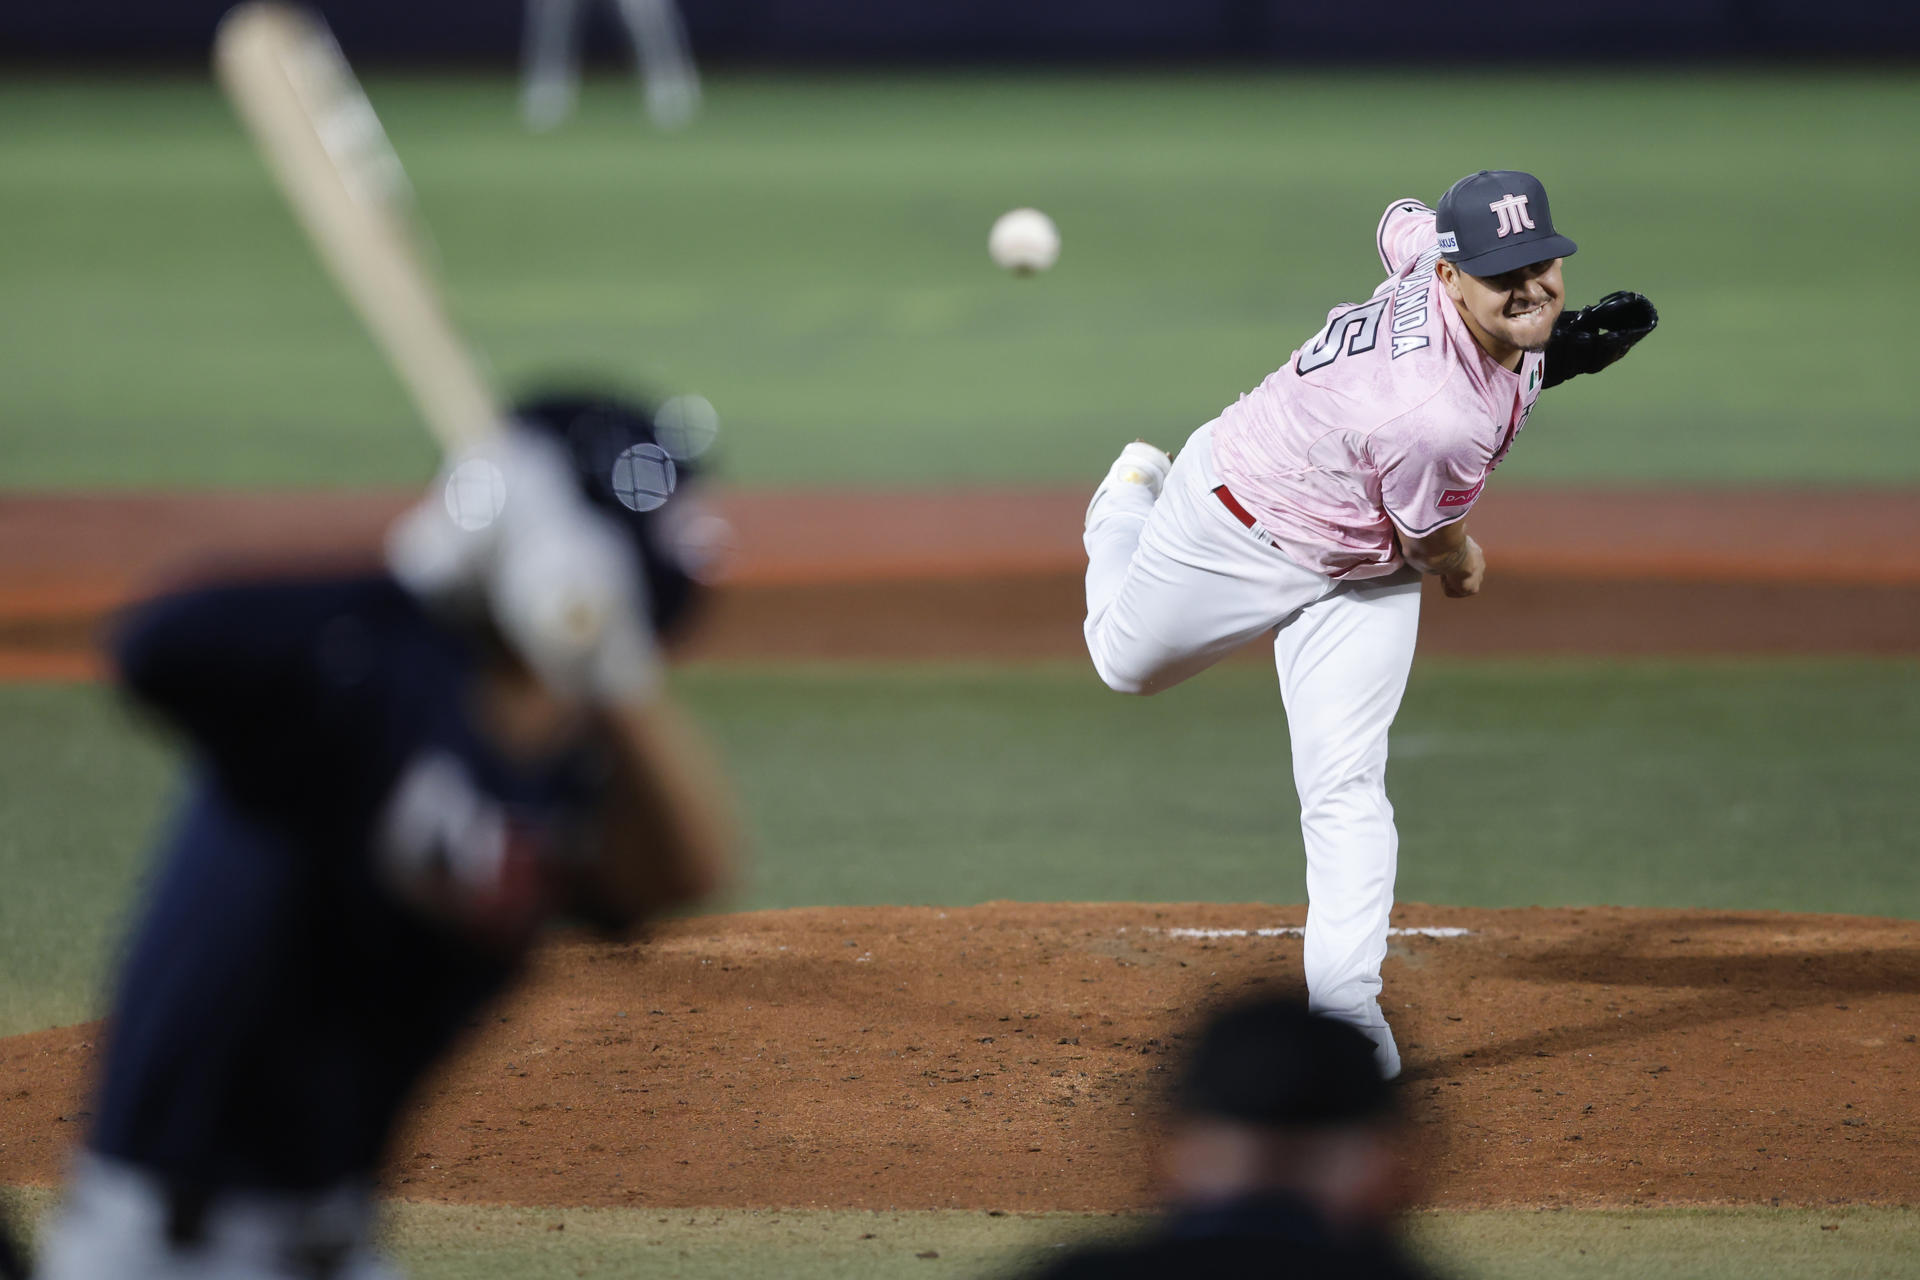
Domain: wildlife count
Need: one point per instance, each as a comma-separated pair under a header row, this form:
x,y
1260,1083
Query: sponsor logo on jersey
x,y
1449,242
1461,497
1511,210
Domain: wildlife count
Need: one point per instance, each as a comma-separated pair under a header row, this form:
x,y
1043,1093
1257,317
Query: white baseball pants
x,y
550,57
1172,587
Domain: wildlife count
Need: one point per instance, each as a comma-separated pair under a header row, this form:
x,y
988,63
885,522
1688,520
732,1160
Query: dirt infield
x,y
997,575
1014,1057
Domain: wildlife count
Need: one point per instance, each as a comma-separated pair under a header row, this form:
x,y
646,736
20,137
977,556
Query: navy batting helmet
x,y
639,465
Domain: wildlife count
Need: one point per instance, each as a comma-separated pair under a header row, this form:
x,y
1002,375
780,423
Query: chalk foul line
x,y
1297,931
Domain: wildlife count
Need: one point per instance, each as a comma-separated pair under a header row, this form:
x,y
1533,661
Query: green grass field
x,y
478,1242
811,256
1759,785
1707,1244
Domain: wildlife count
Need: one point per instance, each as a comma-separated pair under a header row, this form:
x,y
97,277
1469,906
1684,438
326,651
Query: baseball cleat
x,y
1385,1052
1138,464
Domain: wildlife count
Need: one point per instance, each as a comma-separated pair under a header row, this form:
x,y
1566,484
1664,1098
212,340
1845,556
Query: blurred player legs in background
x,y
669,82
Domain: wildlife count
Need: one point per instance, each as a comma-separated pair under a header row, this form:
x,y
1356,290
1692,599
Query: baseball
x,y
1024,241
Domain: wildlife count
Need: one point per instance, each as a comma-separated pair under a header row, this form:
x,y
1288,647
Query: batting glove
x,y
443,547
505,533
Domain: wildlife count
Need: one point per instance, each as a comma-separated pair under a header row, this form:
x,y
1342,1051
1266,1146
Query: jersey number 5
x,y
1363,322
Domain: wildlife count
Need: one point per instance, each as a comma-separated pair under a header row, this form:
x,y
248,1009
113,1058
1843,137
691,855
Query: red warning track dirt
x,y
1015,1056
997,574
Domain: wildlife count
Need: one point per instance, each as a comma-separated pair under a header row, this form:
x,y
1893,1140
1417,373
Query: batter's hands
x,y
1468,570
1590,339
443,547
568,597
505,532
564,586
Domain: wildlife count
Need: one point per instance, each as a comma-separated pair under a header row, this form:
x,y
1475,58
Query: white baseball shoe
x,y
1140,466
1368,1022
1385,1051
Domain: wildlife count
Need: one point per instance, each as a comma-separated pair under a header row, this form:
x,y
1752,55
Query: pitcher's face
x,y
1515,309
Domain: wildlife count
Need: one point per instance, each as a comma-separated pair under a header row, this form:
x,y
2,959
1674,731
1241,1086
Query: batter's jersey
x,y
283,990
1391,417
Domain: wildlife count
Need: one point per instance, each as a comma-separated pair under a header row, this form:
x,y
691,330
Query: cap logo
x,y
1449,242
1512,212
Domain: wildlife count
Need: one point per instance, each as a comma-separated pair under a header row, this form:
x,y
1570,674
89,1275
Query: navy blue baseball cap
x,y
1496,220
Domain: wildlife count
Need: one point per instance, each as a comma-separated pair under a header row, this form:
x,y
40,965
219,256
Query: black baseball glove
x,y
1590,339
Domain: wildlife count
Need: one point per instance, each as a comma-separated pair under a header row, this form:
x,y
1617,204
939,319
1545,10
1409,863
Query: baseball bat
x,y
286,77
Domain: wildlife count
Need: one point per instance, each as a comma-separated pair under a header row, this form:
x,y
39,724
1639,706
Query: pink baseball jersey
x,y
1390,417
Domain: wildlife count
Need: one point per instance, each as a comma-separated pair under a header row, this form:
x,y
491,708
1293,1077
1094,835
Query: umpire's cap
x,y
1496,220
635,464
1271,1062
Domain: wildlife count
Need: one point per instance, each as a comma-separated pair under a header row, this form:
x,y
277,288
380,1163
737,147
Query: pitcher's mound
x,y
1015,1056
